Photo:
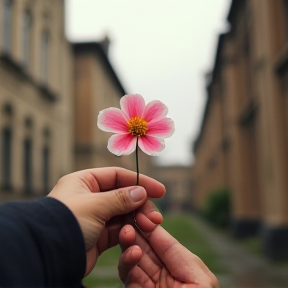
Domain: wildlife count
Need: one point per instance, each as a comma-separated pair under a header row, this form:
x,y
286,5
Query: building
x,y
35,97
243,143
178,184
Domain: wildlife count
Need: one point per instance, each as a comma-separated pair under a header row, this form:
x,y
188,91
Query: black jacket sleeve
x,y
41,245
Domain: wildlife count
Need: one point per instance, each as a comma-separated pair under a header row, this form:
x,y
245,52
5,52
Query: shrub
x,y
217,207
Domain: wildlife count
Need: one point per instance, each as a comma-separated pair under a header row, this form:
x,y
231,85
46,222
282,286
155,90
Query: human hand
x,y
98,213
154,258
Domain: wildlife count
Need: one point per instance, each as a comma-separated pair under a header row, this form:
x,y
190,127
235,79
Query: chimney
x,y
105,44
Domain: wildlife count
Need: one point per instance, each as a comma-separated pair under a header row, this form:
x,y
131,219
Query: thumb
x,y
121,201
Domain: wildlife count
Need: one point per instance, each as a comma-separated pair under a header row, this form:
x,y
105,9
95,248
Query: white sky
x,y
160,49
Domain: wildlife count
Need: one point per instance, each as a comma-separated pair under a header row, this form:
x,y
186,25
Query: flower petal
x,y
132,105
155,110
112,120
151,145
161,128
122,144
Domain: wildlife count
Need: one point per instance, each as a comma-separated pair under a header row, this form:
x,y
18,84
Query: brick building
x,y
243,143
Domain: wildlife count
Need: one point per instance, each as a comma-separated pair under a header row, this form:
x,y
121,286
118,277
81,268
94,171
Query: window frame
x,y
7,25
45,43
26,38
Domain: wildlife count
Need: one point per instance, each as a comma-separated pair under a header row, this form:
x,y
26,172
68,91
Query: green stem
x,y
137,164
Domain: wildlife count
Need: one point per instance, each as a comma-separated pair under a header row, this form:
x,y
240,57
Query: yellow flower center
x,y
137,126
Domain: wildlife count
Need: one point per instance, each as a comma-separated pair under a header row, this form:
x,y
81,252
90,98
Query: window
x,y
27,165
7,25
6,158
26,38
46,164
286,14
45,57
286,5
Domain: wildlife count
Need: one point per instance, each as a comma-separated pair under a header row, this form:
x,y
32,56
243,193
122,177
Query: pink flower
x,y
135,119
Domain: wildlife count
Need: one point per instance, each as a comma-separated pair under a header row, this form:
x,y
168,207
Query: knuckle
x,y
121,196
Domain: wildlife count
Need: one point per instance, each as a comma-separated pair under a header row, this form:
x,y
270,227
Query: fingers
x,y
127,237
164,261
109,178
147,217
128,260
182,263
128,269
175,256
110,236
149,262
131,255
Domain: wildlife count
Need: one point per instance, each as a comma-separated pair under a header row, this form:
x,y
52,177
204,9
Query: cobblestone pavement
x,y
244,269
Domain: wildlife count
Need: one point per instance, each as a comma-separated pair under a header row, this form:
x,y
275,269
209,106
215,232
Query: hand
x,y
98,214
154,258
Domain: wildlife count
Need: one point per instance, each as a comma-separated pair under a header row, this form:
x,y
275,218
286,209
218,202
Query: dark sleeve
x,y
41,245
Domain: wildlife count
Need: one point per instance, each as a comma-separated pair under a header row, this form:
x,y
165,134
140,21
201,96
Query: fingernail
x,y
137,194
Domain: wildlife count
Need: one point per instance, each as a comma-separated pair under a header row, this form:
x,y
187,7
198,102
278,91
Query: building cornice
x,y
96,48
20,71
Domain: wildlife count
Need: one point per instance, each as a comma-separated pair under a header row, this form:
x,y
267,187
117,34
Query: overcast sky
x,y
160,49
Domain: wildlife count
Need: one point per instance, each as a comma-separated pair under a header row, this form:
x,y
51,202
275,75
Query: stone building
x,y
243,143
35,97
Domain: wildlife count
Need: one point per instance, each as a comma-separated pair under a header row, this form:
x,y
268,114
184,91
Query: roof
x,y
234,6
97,48
208,87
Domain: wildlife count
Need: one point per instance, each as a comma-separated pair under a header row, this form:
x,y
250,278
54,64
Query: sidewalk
x,y
244,269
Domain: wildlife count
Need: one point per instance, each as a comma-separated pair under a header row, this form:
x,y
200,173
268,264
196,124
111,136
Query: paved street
x,y
244,269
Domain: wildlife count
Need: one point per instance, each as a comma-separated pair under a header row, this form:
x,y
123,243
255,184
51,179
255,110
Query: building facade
x,y
243,143
35,97
179,189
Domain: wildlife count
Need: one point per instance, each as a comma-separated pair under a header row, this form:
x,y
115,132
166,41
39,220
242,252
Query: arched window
x,y
46,168
46,161
6,159
27,165
7,25
45,57
7,148
28,157
286,5
26,39
286,8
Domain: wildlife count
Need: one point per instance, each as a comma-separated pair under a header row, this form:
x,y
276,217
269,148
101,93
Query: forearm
x,y
41,245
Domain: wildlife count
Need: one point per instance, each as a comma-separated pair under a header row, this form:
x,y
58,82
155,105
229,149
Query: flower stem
x,y
137,164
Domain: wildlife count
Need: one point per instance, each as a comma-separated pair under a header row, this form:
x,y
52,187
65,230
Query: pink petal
x,y
112,120
151,145
155,110
132,105
161,128
122,144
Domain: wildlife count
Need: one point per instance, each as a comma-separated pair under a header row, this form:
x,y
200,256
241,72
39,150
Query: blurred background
x,y
221,67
